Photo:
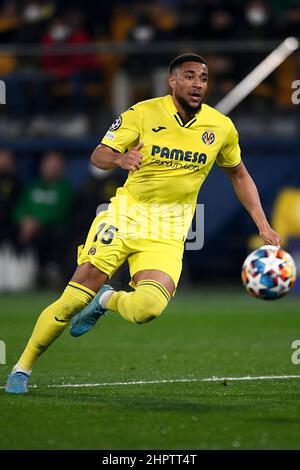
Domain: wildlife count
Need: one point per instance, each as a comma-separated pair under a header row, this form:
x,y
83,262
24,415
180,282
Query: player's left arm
x,y
247,193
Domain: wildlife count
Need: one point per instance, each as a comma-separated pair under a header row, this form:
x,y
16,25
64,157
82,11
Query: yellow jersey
x,y
177,155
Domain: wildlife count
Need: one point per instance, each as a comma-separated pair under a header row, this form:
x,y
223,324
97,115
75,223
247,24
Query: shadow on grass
x,y
148,404
273,420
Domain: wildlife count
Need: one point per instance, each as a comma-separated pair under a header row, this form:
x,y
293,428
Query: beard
x,y
187,107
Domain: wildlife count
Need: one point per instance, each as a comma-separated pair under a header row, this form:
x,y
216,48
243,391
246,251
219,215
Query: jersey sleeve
x,y
125,131
230,153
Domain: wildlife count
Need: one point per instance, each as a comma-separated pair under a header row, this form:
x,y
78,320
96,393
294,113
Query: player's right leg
x,y
53,321
98,259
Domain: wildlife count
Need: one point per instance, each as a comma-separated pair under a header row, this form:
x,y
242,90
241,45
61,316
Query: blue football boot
x,y
17,382
84,320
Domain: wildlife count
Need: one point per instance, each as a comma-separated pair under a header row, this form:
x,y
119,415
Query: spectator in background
x,y
78,69
212,20
286,214
64,31
259,20
286,219
258,23
9,21
98,189
290,20
144,32
35,16
138,66
10,187
100,186
43,214
221,23
22,23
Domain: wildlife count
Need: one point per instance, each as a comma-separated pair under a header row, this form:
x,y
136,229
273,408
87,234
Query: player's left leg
x,y
153,291
155,270
154,287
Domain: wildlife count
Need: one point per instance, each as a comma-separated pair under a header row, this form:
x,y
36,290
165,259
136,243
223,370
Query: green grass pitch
x,y
206,334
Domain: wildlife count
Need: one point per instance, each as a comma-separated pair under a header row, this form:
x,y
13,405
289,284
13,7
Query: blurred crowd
x,y
119,20
43,83
44,218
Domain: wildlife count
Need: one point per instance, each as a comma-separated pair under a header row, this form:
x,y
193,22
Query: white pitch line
x,y
171,381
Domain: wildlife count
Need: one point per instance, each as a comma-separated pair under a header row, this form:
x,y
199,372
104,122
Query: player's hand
x,y
132,160
269,236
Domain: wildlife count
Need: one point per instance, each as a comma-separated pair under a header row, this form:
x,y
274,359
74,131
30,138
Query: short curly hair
x,y
187,57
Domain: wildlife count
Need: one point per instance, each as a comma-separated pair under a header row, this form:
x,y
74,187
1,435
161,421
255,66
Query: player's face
x,y
189,85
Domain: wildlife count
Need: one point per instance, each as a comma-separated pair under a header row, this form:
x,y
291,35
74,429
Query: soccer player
x,y
169,144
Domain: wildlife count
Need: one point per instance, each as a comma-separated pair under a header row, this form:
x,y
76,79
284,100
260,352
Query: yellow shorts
x,y
107,248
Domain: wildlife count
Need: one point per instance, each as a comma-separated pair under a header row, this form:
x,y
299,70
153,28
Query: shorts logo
x,y
92,251
208,137
116,124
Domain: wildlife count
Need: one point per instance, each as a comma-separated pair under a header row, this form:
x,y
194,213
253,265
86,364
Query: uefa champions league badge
x,y
116,124
208,137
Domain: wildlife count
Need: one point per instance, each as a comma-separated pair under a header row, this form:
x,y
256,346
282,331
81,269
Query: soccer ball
x,y
269,272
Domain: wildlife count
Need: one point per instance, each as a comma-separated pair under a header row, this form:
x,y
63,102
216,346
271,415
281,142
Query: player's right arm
x,y
106,158
121,146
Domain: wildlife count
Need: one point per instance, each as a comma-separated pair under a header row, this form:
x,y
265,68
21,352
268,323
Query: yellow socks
x,y
144,304
52,322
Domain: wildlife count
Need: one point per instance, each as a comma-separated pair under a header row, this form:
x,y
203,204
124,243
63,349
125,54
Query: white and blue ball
x,y
269,272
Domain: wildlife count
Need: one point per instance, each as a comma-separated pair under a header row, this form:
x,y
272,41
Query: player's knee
x,y
146,312
150,304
